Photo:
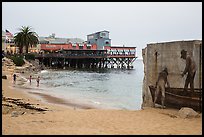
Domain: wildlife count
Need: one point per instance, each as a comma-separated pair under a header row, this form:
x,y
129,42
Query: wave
x,y
44,71
70,84
96,102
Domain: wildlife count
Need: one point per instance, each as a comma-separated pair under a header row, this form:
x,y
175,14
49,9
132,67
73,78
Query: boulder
x,y
186,112
4,77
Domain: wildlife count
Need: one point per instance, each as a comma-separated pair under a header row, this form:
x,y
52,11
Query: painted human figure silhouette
x,y
160,86
190,69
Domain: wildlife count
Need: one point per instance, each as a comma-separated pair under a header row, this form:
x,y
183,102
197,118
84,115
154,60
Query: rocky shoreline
x,y
16,106
29,66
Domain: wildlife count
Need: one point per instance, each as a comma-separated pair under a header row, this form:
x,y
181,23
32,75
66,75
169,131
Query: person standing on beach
x,y
190,69
30,79
160,86
14,78
38,81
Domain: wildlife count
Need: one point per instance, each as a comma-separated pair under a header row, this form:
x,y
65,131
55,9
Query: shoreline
x,y
75,120
23,86
59,101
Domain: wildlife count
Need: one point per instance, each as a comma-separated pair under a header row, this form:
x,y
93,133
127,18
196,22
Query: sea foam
x,y
44,71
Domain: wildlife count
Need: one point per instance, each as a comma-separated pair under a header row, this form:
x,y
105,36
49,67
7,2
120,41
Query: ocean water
x,y
102,88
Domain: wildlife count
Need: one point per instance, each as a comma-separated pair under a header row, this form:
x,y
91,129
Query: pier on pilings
x,y
86,59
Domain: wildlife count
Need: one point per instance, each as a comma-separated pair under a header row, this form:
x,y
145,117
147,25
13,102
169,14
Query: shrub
x,y
30,56
18,60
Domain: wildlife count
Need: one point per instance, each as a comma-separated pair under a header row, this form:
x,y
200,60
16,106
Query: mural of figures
x,y
177,97
184,62
190,69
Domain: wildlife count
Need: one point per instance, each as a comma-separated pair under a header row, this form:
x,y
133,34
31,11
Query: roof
x,y
76,40
98,32
58,41
61,40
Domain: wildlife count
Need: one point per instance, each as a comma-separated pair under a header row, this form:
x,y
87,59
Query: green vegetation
x,y
30,56
25,38
18,60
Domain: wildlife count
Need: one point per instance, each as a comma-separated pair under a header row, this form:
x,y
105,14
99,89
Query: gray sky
x,y
130,24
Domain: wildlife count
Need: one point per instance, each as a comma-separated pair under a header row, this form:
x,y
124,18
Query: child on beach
x,y
38,81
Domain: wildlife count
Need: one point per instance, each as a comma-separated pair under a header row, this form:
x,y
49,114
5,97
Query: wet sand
x,y
59,101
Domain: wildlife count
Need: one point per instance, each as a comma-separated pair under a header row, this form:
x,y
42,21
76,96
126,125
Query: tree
x,y
25,38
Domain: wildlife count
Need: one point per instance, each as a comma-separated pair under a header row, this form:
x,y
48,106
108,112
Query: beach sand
x,y
72,119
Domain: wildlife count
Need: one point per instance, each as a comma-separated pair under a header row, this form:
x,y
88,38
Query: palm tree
x,y
25,38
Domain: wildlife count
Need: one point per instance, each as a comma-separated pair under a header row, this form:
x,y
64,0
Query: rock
x,y
23,113
186,112
4,77
14,114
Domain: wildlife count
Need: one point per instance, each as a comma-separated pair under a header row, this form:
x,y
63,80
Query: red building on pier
x,y
56,47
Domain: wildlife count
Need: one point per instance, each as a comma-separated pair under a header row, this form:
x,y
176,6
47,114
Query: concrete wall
x,y
156,56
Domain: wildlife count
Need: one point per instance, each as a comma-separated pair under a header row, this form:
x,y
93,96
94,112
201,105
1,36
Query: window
x,y
90,37
74,45
102,35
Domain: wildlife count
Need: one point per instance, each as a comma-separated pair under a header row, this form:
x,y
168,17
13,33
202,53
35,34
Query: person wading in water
x,y
38,81
30,78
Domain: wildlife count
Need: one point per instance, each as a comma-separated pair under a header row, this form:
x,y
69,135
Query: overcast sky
x,y
130,24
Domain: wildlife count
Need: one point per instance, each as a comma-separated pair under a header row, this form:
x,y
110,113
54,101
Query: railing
x,y
85,55
62,55
121,55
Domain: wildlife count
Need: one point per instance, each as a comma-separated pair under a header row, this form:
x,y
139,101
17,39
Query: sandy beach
x,y
51,118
